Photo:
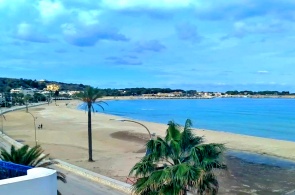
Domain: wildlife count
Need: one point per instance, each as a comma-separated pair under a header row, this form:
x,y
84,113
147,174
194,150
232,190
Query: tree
x,y
27,98
89,96
56,93
178,163
39,97
30,157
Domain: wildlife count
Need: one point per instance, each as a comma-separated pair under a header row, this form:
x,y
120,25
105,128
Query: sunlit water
x,y
270,118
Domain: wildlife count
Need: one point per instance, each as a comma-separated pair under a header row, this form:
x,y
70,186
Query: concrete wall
x,y
37,181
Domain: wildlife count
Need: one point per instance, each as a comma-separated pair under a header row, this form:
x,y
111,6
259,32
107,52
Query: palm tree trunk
x,y
89,134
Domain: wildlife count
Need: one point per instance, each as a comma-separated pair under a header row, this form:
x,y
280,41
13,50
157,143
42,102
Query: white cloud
x,y
26,32
23,29
69,29
262,72
50,10
2,3
242,28
89,17
123,4
86,36
9,4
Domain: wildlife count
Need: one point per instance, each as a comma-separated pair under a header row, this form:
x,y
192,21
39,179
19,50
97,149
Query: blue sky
x,y
190,44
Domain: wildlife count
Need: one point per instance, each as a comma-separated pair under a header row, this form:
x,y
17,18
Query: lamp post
x,y
132,121
147,152
34,126
2,121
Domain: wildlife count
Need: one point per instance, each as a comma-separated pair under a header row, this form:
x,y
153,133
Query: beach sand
x,y
117,146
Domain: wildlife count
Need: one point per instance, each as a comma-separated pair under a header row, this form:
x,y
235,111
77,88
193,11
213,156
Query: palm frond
x,y
32,156
173,132
100,101
191,169
89,96
188,124
159,149
143,168
100,106
5,155
189,139
208,184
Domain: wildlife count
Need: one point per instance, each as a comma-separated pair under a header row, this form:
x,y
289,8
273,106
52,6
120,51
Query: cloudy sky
x,y
188,44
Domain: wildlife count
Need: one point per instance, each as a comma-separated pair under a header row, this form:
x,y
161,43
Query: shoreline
x,y
140,97
250,143
117,146
232,140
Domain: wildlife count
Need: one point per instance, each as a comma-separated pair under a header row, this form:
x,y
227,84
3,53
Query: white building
x,y
37,181
28,91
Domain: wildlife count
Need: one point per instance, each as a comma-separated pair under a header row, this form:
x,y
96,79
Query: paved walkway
x,y
78,185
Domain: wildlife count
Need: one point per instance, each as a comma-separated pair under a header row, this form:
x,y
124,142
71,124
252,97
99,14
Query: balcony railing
x,y
10,170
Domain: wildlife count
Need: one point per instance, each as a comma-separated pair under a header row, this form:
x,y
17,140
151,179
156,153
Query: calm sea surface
x,y
270,118
247,173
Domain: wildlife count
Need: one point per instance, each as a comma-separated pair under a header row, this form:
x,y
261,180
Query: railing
x,y
10,170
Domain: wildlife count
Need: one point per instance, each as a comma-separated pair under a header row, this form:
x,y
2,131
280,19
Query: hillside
x,y
6,84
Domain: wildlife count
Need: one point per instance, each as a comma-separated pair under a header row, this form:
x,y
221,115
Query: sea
x,y
262,117
247,173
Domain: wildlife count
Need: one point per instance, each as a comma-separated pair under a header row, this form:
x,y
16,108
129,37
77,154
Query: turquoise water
x,y
270,118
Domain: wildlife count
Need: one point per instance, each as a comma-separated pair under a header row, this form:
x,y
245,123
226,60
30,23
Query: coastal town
x,y
21,94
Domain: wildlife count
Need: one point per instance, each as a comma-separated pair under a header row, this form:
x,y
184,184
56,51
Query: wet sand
x,y
117,146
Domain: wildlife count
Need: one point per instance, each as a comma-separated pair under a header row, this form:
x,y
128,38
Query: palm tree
x,y
178,163
27,98
56,94
30,157
89,96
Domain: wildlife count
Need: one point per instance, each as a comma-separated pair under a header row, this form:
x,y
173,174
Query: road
x,y
76,184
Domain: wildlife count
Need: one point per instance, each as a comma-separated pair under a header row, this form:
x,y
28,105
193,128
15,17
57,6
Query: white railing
x,y
37,181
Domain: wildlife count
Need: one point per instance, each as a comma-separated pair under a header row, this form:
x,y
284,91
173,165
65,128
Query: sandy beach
x,y
117,146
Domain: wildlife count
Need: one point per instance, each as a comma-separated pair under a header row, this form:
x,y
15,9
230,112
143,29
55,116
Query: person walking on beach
x,y
41,126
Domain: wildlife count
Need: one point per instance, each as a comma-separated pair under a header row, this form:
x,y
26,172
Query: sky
x,y
204,45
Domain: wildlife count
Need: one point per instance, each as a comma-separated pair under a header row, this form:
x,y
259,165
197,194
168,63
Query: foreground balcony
x,y
19,179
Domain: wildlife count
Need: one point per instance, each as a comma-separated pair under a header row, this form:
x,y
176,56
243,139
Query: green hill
x,y
6,84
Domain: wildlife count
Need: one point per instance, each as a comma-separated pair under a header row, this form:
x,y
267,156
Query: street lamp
x,y
132,121
2,121
34,126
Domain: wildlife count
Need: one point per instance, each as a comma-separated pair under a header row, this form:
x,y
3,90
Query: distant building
x,y
46,93
177,93
165,95
73,92
52,87
28,91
